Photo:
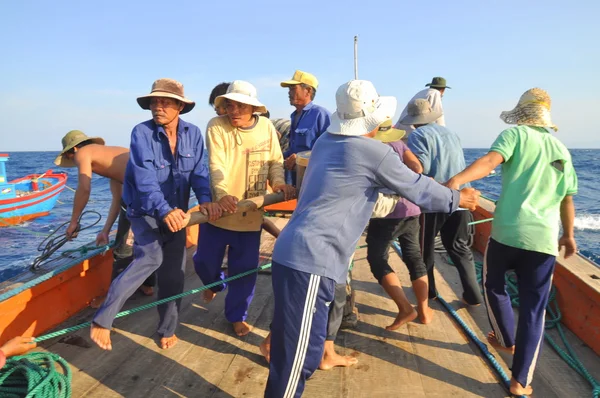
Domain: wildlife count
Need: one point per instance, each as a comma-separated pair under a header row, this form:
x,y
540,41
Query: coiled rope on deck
x,y
35,375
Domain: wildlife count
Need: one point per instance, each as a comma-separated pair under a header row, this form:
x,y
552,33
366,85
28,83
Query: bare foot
x,y
426,315
208,295
491,338
147,290
402,318
265,348
241,328
517,389
168,342
101,336
97,302
334,359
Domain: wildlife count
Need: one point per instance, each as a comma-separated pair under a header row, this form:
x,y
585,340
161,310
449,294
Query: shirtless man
x,y
90,155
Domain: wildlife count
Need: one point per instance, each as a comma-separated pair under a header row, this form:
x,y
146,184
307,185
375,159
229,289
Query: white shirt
x,y
434,97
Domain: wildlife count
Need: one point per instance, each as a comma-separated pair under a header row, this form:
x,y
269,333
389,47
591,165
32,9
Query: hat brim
x,y
62,161
144,102
427,118
391,135
518,116
241,98
288,83
436,86
385,109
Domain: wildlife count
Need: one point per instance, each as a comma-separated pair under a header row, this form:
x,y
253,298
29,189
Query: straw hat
x,y
387,132
360,109
533,109
167,88
70,141
243,92
419,112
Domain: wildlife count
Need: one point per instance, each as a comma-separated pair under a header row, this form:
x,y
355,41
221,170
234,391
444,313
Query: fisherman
x,y
244,156
308,121
538,184
90,155
347,170
440,157
402,225
166,160
433,94
221,89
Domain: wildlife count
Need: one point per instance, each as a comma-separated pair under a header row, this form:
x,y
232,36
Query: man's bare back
x,y
107,161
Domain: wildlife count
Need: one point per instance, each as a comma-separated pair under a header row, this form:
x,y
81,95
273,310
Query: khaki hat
x,y
387,132
167,88
533,109
300,78
419,112
437,82
360,109
70,141
242,92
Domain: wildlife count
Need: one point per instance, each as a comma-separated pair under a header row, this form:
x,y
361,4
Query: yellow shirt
x,y
242,163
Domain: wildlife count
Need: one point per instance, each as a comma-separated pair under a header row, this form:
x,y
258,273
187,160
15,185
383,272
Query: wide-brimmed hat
x,y
167,88
70,141
301,77
388,133
533,109
360,109
243,92
437,82
419,112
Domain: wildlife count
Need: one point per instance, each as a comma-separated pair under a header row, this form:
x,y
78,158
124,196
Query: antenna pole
x,y
356,57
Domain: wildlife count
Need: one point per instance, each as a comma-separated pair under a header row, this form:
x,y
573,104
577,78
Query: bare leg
x,y
493,340
241,328
265,347
168,342
406,312
331,359
101,336
517,389
421,289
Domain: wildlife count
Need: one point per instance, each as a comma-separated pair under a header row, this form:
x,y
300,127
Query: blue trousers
x,y
243,255
298,329
534,272
155,249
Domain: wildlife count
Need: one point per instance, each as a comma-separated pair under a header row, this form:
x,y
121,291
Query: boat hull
x,y
15,209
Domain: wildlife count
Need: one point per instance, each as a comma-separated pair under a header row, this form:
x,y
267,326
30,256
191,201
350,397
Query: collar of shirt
x,y
182,127
306,108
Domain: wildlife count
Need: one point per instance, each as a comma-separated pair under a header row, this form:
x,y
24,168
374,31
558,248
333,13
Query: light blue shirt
x,y
339,191
439,151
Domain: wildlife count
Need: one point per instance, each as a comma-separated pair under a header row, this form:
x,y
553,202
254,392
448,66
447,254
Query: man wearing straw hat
x,y
90,155
244,157
538,184
433,94
347,170
441,156
166,161
308,121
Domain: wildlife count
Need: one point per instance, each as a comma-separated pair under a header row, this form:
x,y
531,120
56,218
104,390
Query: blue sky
x,y
81,64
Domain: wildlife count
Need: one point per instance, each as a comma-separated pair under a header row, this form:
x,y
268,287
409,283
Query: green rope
x,y
553,317
154,304
35,375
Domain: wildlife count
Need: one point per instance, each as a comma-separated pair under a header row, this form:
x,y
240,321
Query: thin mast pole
x,y
356,57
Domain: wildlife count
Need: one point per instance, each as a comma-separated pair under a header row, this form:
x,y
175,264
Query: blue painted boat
x,y
28,197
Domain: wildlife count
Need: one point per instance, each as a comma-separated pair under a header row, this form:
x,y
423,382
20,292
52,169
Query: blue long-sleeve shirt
x,y
339,190
313,121
156,182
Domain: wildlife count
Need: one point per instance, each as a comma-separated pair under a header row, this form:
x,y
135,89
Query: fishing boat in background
x,y
28,197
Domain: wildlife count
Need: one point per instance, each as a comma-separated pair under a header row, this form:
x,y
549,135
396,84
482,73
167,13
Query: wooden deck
x,y
210,361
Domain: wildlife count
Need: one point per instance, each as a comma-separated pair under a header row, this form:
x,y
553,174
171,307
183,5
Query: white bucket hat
x,y
243,92
533,109
360,109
